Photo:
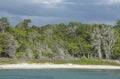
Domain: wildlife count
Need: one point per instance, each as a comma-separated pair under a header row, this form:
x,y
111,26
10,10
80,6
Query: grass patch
x,y
79,61
7,61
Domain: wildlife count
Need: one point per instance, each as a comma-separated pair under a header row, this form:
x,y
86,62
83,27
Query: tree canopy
x,y
59,41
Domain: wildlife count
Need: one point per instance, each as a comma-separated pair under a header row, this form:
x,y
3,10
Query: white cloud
x,y
110,2
114,1
47,2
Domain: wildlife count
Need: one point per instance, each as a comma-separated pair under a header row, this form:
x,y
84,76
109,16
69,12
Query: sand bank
x,y
55,66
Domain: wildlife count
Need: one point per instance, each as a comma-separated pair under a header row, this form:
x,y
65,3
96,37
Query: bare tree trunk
x,y
99,52
88,55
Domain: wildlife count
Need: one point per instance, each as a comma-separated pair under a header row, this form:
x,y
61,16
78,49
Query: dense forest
x,y
59,41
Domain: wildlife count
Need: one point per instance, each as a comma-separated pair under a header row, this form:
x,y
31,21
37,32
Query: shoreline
x,y
56,66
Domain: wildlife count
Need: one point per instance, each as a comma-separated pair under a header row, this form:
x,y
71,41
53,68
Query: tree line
x,y
59,41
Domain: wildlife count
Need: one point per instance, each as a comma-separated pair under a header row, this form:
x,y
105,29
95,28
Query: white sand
x,y
54,66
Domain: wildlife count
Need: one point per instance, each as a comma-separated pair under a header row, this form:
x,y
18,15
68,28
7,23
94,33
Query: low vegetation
x,y
81,61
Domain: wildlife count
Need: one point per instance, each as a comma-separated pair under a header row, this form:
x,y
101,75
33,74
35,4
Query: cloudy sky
x,y
43,12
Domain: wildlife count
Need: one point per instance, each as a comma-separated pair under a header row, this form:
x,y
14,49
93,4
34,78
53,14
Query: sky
x,y
43,12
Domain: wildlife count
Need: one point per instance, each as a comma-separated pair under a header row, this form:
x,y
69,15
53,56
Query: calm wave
x,y
59,74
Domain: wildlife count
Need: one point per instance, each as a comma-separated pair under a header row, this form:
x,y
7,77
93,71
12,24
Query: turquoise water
x,y
59,74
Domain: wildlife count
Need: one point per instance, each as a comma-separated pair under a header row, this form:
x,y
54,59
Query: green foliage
x,y
18,33
117,24
23,24
49,55
54,40
19,54
116,50
1,41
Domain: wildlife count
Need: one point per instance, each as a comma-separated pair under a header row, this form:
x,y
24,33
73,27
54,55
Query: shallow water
x,y
59,74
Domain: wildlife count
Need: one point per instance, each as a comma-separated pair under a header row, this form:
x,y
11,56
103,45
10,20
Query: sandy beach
x,y
55,66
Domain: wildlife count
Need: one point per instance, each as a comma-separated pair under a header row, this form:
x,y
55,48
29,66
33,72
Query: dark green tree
x,y
23,24
9,46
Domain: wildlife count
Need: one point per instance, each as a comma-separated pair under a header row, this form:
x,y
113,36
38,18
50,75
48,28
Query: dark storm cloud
x,y
56,11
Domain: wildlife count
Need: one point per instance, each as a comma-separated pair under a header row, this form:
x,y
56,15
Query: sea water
x,y
58,74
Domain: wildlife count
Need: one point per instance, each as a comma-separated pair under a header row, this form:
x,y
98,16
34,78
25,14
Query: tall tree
x,y
103,39
116,48
117,24
23,24
96,41
3,24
